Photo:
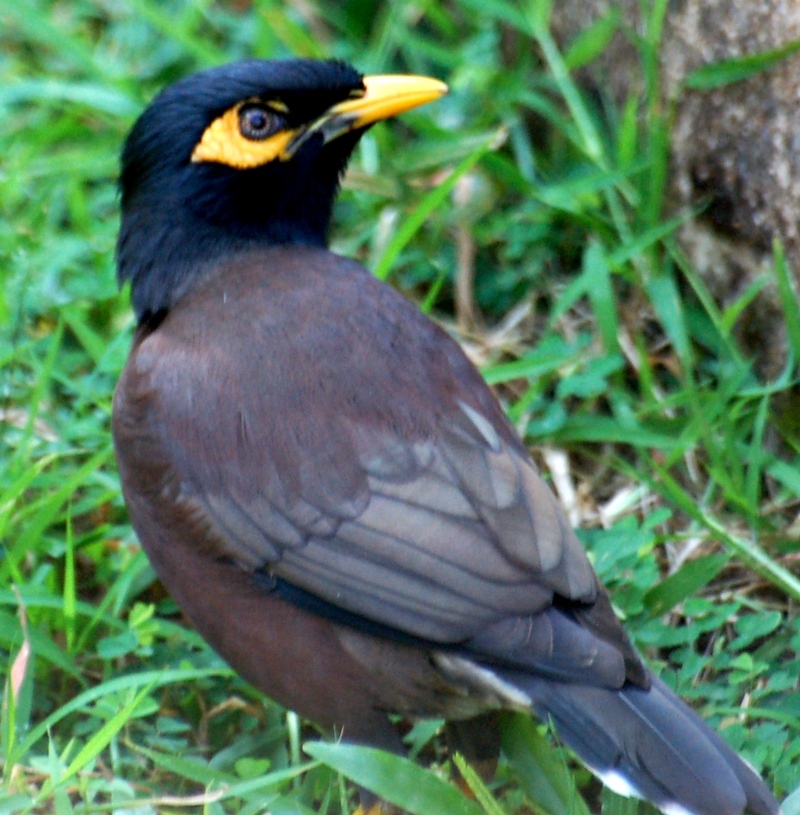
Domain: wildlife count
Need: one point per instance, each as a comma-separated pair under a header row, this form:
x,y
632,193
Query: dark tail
x,y
648,743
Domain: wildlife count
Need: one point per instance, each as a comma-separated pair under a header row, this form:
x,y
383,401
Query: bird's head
x,y
244,154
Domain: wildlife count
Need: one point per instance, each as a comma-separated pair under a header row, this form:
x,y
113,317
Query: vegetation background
x,y
526,214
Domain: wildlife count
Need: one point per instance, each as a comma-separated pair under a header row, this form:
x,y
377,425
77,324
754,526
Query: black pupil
x,y
256,122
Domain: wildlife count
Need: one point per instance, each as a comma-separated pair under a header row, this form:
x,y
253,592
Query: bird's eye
x,y
258,122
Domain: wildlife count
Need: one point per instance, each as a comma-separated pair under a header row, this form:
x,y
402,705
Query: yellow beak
x,y
387,96
383,96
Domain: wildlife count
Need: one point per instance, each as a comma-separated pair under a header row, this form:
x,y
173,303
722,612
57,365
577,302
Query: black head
x,y
243,154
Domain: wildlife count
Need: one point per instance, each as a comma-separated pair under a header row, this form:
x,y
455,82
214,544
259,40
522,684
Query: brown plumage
x,y
322,479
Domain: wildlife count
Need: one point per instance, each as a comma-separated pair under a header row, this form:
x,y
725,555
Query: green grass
x,y
599,336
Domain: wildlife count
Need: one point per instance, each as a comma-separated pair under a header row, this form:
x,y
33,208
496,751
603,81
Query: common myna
x,y
322,479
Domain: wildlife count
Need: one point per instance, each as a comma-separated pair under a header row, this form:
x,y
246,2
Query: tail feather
x,y
650,744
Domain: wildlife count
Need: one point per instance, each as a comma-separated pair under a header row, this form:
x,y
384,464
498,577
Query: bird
x,y
324,482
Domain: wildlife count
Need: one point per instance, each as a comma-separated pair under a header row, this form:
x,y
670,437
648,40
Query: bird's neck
x,y
164,256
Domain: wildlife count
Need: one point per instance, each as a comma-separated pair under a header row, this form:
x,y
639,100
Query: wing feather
x,y
389,483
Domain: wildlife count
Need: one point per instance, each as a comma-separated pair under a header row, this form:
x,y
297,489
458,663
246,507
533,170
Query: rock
x,y
735,149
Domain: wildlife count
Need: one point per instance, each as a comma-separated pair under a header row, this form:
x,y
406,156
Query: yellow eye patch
x,y
222,142
253,133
